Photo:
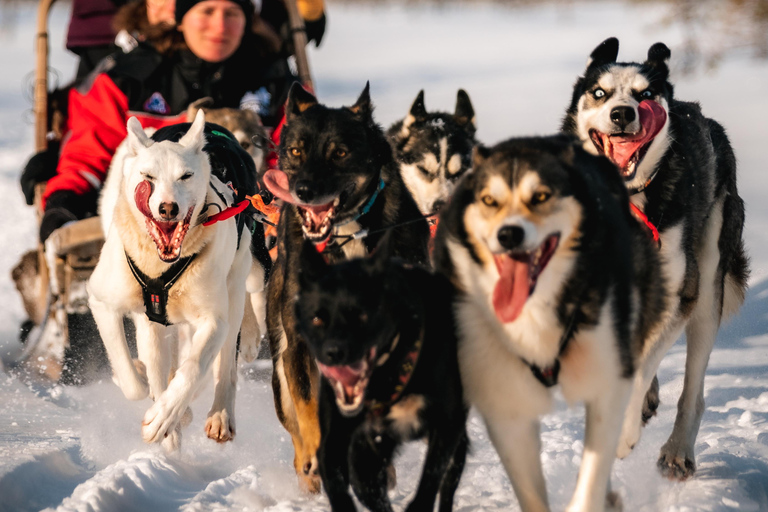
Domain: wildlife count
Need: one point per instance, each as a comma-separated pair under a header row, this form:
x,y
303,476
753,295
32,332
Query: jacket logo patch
x,y
157,104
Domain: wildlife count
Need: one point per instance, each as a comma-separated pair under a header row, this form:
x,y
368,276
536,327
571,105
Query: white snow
x,y
79,448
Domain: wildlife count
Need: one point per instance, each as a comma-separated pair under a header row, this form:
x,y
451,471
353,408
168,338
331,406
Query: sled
x,y
54,274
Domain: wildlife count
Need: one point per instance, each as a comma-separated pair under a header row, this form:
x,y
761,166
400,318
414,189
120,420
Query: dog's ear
x,y
658,58
417,113
194,139
363,107
193,107
605,53
312,265
137,139
480,154
464,113
299,100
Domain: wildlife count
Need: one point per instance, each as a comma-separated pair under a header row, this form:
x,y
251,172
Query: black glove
x,y
39,169
64,206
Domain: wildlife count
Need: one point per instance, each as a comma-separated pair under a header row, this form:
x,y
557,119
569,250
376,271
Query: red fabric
x,y
228,212
640,215
97,122
275,138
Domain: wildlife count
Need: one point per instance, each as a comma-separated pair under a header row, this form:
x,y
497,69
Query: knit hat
x,y
183,6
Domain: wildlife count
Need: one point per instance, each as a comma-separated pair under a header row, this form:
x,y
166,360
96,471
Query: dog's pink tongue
x,y
277,183
512,288
652,119
141,197
348,376
318,212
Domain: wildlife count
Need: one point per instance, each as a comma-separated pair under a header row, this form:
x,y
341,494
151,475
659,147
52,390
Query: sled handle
x,y
299,44
41,75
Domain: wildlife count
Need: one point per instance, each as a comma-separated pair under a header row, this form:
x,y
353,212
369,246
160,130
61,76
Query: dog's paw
x,y
172,441
676,464
249,349
136,388
652,401
161,419
220,427
309,475
630,436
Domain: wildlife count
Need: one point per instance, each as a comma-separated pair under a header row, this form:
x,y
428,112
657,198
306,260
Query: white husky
x,y
152,204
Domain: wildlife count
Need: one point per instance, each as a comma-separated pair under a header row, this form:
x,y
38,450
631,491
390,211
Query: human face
x,y
213,29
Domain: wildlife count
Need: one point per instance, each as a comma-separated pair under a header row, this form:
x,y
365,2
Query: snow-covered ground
x,y
79,448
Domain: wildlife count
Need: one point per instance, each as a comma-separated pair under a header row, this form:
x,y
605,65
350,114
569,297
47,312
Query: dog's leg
x,y
254,327
153,352
677,460
171,406
130,375
333,454
633,416
301,377
442,448
453,474
603,426
220,425
519,445
369,456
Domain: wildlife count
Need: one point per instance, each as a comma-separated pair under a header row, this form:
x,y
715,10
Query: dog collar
x,y
368,205
155,290
643,186
549,374
400,380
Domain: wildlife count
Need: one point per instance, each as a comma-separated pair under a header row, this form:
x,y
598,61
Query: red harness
x,y
642,217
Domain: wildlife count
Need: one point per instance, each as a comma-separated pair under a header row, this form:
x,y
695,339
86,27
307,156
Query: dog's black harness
x,y
155,290
397,381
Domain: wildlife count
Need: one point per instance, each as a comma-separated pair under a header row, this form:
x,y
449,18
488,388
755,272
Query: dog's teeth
x,y
336,202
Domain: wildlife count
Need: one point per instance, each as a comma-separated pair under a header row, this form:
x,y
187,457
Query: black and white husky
x,y
558,284
680,171
434,150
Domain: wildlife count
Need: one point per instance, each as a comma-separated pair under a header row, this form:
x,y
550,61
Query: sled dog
x,y
249,132
341,190
558,284
162,267
384,339
680,170
434,150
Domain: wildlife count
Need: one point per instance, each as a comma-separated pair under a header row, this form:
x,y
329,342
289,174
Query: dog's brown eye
x,y
340,153
317,321
295,151
363,317
488,200
540,197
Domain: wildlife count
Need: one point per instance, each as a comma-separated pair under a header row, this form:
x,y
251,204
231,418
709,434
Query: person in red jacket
x,y
220,59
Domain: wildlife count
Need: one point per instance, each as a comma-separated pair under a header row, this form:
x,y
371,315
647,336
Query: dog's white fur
x,y
209,296
503,388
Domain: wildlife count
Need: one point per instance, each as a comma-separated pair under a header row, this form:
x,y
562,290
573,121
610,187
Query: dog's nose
x,y
510,237
438,205
169,211
333,354
304,191
622,116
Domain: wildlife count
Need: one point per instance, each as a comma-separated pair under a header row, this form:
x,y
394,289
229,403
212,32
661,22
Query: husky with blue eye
x,y
557,285
680,171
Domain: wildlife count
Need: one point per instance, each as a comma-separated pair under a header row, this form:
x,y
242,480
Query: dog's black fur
x,y
695,174
329,151
380,311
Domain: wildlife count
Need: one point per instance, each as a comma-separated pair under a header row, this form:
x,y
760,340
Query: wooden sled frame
x,y
69,255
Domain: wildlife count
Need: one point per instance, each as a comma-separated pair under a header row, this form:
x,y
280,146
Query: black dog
x,y
342,190
384,338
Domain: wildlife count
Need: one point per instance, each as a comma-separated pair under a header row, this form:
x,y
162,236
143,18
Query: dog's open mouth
x,y
349,382
168,236
518,273
316,219
627,150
